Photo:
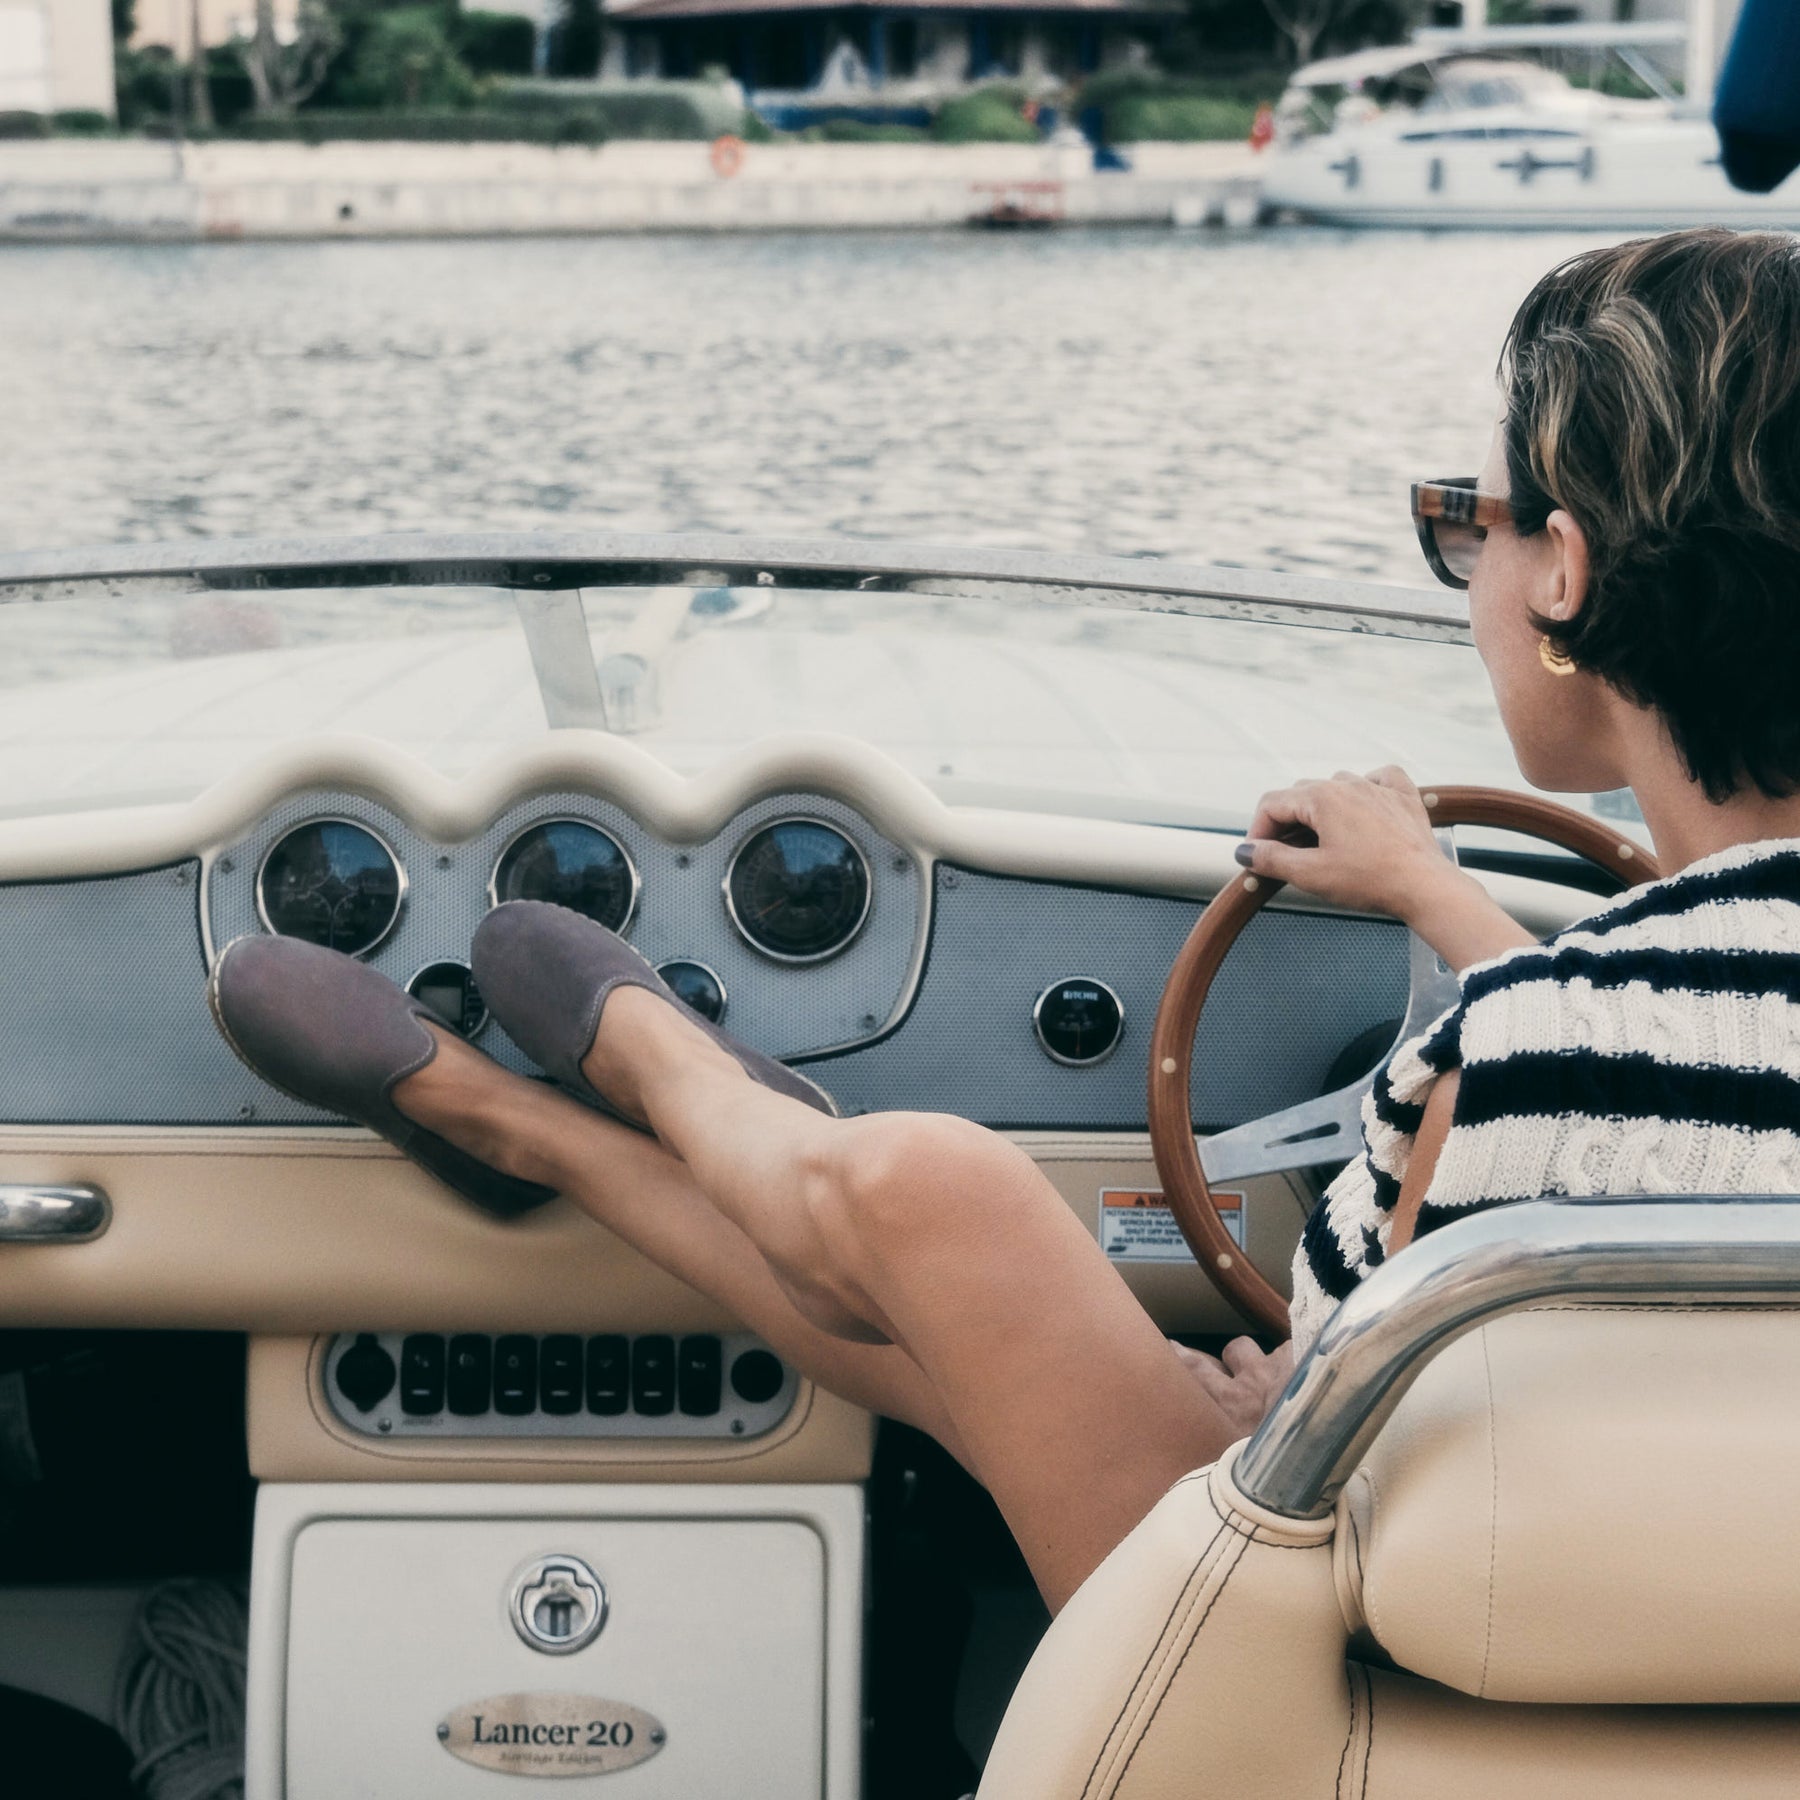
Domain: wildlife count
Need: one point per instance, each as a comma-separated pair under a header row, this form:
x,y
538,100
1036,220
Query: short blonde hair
x,y
1653,393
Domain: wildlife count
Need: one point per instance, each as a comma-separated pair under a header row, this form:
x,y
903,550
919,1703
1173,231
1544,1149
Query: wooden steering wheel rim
x,y
1190,981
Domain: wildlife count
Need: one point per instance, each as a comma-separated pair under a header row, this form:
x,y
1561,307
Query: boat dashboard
x,y
900,971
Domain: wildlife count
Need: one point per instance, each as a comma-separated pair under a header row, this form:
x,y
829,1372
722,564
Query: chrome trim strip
x,y
623,928
1037,1022
848,938
552,562
1725,1250
34,1214
262,868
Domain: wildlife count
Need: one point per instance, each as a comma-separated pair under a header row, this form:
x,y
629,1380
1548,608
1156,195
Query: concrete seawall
x,y
127,190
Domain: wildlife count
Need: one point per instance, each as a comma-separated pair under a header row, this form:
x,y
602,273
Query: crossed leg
x,y
912,1262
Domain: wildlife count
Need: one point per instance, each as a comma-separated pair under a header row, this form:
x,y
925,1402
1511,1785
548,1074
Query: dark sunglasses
x,y
1453,522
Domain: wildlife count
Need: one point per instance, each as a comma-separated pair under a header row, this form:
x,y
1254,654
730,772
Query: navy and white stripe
x,y
1653,1047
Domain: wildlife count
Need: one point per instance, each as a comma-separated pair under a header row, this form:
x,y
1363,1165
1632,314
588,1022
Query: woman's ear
x,y
1568,573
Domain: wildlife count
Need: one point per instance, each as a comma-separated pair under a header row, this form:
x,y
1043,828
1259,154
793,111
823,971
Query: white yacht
x,y
1467,129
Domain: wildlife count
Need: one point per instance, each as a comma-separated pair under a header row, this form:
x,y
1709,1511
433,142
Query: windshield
x,y
1027,702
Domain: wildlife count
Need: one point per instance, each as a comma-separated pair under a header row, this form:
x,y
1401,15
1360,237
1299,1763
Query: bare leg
x,y
635,1188
946,1239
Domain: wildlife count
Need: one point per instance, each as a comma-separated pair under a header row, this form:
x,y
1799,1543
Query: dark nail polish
x,y
1246,855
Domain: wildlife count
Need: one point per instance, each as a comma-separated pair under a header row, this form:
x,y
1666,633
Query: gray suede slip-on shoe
x,y
545,973
330,1031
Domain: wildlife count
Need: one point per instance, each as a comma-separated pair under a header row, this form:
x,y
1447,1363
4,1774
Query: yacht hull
x,y
1641,178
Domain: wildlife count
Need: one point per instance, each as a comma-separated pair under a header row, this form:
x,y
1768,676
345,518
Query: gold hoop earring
x,y
1557,660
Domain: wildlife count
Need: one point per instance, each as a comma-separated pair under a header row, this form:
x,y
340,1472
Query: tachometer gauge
x,y
331,882
798,890
569,863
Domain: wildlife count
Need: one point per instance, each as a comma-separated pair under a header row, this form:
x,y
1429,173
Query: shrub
x,y
446,125
1139,106
81,123
638,111
1178,119
23,125
989,115
406,59
863,131
494,43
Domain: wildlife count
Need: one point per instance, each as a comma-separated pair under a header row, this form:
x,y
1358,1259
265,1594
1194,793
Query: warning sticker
x,y
1138,1226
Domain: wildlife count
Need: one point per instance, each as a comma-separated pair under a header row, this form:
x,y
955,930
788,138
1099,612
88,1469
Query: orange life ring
x,y
727,155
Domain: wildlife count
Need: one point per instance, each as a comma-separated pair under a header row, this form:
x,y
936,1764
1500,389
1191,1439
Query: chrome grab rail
x,y
35,1213
1626,1252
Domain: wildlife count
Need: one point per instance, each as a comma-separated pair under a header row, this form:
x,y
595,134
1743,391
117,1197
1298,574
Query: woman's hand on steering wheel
x,y
1366,842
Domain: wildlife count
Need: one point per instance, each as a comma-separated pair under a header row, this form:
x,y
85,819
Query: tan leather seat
x,y
1568,1565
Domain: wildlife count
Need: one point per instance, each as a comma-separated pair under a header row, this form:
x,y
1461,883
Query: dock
x,y
136,190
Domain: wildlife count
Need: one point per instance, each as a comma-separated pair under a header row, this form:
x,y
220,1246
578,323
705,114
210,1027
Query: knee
x,y
894,1176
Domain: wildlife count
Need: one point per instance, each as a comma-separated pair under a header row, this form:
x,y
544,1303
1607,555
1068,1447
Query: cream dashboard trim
x,y
285,1232
294,1436
679,809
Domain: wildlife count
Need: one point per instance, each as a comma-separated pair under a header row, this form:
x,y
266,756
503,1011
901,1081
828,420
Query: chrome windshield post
x,y
1732,1251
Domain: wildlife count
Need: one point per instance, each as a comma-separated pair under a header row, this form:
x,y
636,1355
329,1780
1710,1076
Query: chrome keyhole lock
x,y
558,1605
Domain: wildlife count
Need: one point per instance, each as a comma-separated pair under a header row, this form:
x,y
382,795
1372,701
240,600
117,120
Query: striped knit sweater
x,y
1653,1047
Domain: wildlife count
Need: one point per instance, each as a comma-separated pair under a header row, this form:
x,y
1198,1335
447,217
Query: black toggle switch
x,y
653,1375
422,1374
365,1373
559,1375
699,1375
469,1380
756,1376
515,1374
608,1375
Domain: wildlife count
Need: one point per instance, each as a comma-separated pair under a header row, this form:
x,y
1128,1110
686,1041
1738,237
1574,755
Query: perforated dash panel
x,y
1297,988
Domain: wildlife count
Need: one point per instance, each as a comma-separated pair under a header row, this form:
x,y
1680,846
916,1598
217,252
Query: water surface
x,y
1259,398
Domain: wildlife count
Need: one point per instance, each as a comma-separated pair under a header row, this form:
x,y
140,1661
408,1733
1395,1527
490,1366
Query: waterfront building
x,y
804,59
56,56
175,24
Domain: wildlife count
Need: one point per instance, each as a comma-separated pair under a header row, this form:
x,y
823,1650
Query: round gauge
x,y
1078,1021
449,989
569,863
332,883
695,985
798,890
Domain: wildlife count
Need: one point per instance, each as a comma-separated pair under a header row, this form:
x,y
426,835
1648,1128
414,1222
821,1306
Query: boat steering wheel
x,y
1327,1129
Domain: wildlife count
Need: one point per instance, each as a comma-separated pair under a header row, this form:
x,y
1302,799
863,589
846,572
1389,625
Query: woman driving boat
x,y
1632,555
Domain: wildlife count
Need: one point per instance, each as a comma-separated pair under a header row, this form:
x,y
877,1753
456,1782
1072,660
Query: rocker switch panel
x,y
612,1385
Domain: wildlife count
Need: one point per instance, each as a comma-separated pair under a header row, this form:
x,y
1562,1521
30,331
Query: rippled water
x,y
1258,398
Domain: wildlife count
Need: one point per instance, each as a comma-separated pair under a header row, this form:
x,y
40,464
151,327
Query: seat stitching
x,y
1193,1638
1487,1646
1358,1678
1369,1747
1130,1693
1124,1729
1349,1736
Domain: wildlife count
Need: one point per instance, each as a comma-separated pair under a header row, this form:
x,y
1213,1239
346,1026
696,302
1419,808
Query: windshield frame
x,y
563,564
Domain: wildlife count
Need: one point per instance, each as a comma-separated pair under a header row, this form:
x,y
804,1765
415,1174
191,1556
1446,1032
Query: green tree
x,y
284,73
577,42
407,59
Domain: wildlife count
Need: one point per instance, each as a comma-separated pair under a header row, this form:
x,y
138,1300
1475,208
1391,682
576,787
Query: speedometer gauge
x,y
571,863
331,882
798,890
